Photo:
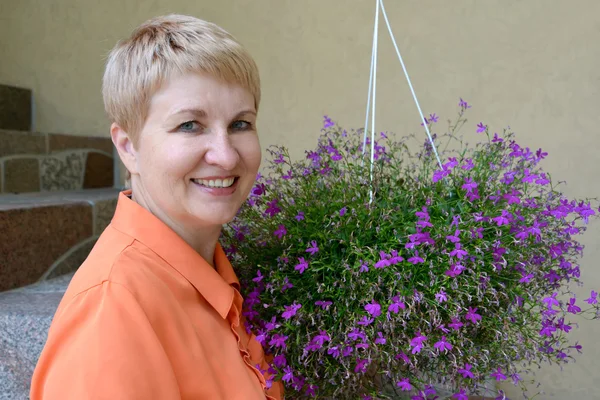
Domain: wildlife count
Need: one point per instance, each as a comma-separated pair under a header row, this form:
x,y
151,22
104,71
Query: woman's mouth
x,y
217,186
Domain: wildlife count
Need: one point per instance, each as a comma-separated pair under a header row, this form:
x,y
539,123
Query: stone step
x,y
34,162
48,234
25,316
15,108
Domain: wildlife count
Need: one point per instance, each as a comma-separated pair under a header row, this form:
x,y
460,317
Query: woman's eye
x,y
241,125
189,126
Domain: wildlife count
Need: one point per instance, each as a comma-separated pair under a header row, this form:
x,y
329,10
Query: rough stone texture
x,y
73,260
43,234
99,171
15,108
62,171
25,316
103,213
21,175
58,142
13,142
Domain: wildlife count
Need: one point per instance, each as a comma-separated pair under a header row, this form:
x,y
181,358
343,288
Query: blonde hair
x,y
163,47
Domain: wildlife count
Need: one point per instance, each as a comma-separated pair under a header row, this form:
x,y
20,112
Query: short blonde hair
x,y
163,47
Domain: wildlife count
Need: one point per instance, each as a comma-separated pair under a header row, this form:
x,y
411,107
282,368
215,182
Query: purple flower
x,y
526,278
454,238
469,185
310,391
278,341
300,216
334,351
380,339
272,208
286,284
374,309
443,345
593,299
404,384
572,308
302,265
441,296
417,343
466,371
364,267
416,259
356,334
585,212
481,127
343,211
280,232
461,395
463,104
259,189
502,219
384,260
365,321
440,174
361,365
279,361
290,311
458,252
551,301
468,165
455,270
323,304
542,180
472,315
288,374
313,249
498,375
259,277
396,305
327,122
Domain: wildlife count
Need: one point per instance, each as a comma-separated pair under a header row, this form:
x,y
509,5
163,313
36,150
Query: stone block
x,y
13,142
25,316
99,171
103,214
58,142
62,171
34,237
21,175
72,260
15,108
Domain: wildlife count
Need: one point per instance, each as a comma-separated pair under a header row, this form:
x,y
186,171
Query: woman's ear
x,y
125,147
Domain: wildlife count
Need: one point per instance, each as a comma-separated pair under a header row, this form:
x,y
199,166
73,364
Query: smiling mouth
x,y
216,183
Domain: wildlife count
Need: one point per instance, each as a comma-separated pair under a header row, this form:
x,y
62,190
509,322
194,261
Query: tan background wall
x,y
533,65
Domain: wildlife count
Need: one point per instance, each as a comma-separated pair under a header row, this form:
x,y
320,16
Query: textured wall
x,y
529,64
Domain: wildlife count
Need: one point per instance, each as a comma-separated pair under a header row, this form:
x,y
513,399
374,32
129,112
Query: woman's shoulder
x,y
121,260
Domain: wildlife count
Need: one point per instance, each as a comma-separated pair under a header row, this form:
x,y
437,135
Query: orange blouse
x,y
145,317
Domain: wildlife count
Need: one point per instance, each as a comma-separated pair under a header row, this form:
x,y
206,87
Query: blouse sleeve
x,y
102,346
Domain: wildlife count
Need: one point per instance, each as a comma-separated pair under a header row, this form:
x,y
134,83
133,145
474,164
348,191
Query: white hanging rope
x,y
372,91
409,83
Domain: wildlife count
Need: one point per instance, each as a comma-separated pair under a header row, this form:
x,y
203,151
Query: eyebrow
x,y
202,114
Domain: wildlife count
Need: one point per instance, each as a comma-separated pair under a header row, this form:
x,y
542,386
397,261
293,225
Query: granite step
x,y
25,317
15,108
48,234
38,162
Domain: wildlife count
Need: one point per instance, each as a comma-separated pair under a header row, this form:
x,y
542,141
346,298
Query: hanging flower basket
x,y
406,270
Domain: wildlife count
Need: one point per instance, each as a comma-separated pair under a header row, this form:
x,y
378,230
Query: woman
x,y
155,311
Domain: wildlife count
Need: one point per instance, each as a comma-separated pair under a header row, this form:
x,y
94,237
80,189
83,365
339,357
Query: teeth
x,y
216,183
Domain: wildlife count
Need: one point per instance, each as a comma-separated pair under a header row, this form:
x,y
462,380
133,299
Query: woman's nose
x,y
221,151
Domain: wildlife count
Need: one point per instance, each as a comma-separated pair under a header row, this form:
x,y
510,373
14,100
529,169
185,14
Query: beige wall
x,y
531,64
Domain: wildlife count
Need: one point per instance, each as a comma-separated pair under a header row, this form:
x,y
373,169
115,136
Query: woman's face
x,y
198,153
